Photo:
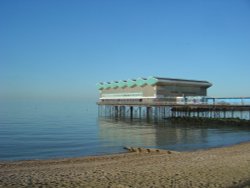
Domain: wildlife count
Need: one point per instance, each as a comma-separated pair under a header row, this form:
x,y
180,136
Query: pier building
x,y
151,88
158,97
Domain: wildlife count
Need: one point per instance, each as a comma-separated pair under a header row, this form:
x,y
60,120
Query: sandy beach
x,y
218,167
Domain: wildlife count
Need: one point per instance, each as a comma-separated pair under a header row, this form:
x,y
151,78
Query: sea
x,y
56,129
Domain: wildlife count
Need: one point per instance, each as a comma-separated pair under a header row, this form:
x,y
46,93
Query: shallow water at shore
x,y
56,129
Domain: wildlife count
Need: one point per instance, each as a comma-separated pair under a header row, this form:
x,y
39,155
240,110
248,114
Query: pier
x,y
162,98
163,110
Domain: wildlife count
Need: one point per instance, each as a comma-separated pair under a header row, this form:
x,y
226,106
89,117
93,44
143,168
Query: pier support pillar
x,y
131,112
116,111
140,112
148,112
123,114
99,110
156,112
213,101
189,113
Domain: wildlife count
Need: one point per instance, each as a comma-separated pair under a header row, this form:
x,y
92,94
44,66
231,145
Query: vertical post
x,y
98,110
101,108
155,112
140,112
148,112
110,111
128,111
131,112
105,110
116,111
120,111
113,111
189,113
123,111
173,112
212,113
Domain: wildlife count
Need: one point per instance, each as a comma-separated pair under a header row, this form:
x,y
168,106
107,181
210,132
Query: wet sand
x,y
218,167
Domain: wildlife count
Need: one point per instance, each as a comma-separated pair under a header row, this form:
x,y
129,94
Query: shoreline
x,y
214,167
126,151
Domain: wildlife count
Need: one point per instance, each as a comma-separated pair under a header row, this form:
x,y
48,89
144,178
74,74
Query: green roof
x,y
131,83
152,81
148,81
122,84
141,81
114,85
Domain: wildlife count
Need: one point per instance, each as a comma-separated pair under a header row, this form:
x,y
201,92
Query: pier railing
x,y
171,103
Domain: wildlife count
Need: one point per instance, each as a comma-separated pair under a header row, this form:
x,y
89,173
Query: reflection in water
x,y
124,133
165,135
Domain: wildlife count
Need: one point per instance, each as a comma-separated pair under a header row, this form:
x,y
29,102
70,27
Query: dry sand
x,y
219,167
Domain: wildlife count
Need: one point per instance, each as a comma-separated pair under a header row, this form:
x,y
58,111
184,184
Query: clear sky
x,y
61,49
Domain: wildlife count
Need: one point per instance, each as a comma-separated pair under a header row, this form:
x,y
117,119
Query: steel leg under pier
x,y
131,112
148,112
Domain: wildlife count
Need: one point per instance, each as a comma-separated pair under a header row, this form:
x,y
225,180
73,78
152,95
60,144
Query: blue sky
x,y
61,49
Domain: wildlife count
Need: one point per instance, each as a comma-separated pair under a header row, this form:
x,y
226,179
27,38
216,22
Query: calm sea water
x,y
56,129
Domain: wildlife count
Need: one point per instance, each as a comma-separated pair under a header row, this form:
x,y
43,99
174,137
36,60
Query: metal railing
x,y
171,101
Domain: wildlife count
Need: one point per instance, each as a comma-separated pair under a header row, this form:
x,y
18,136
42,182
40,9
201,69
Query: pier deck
x,y
164,109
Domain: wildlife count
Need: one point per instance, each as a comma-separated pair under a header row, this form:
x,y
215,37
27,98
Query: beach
x,y
217,167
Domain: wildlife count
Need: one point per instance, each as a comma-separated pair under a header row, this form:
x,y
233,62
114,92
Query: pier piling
x,y
165,110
